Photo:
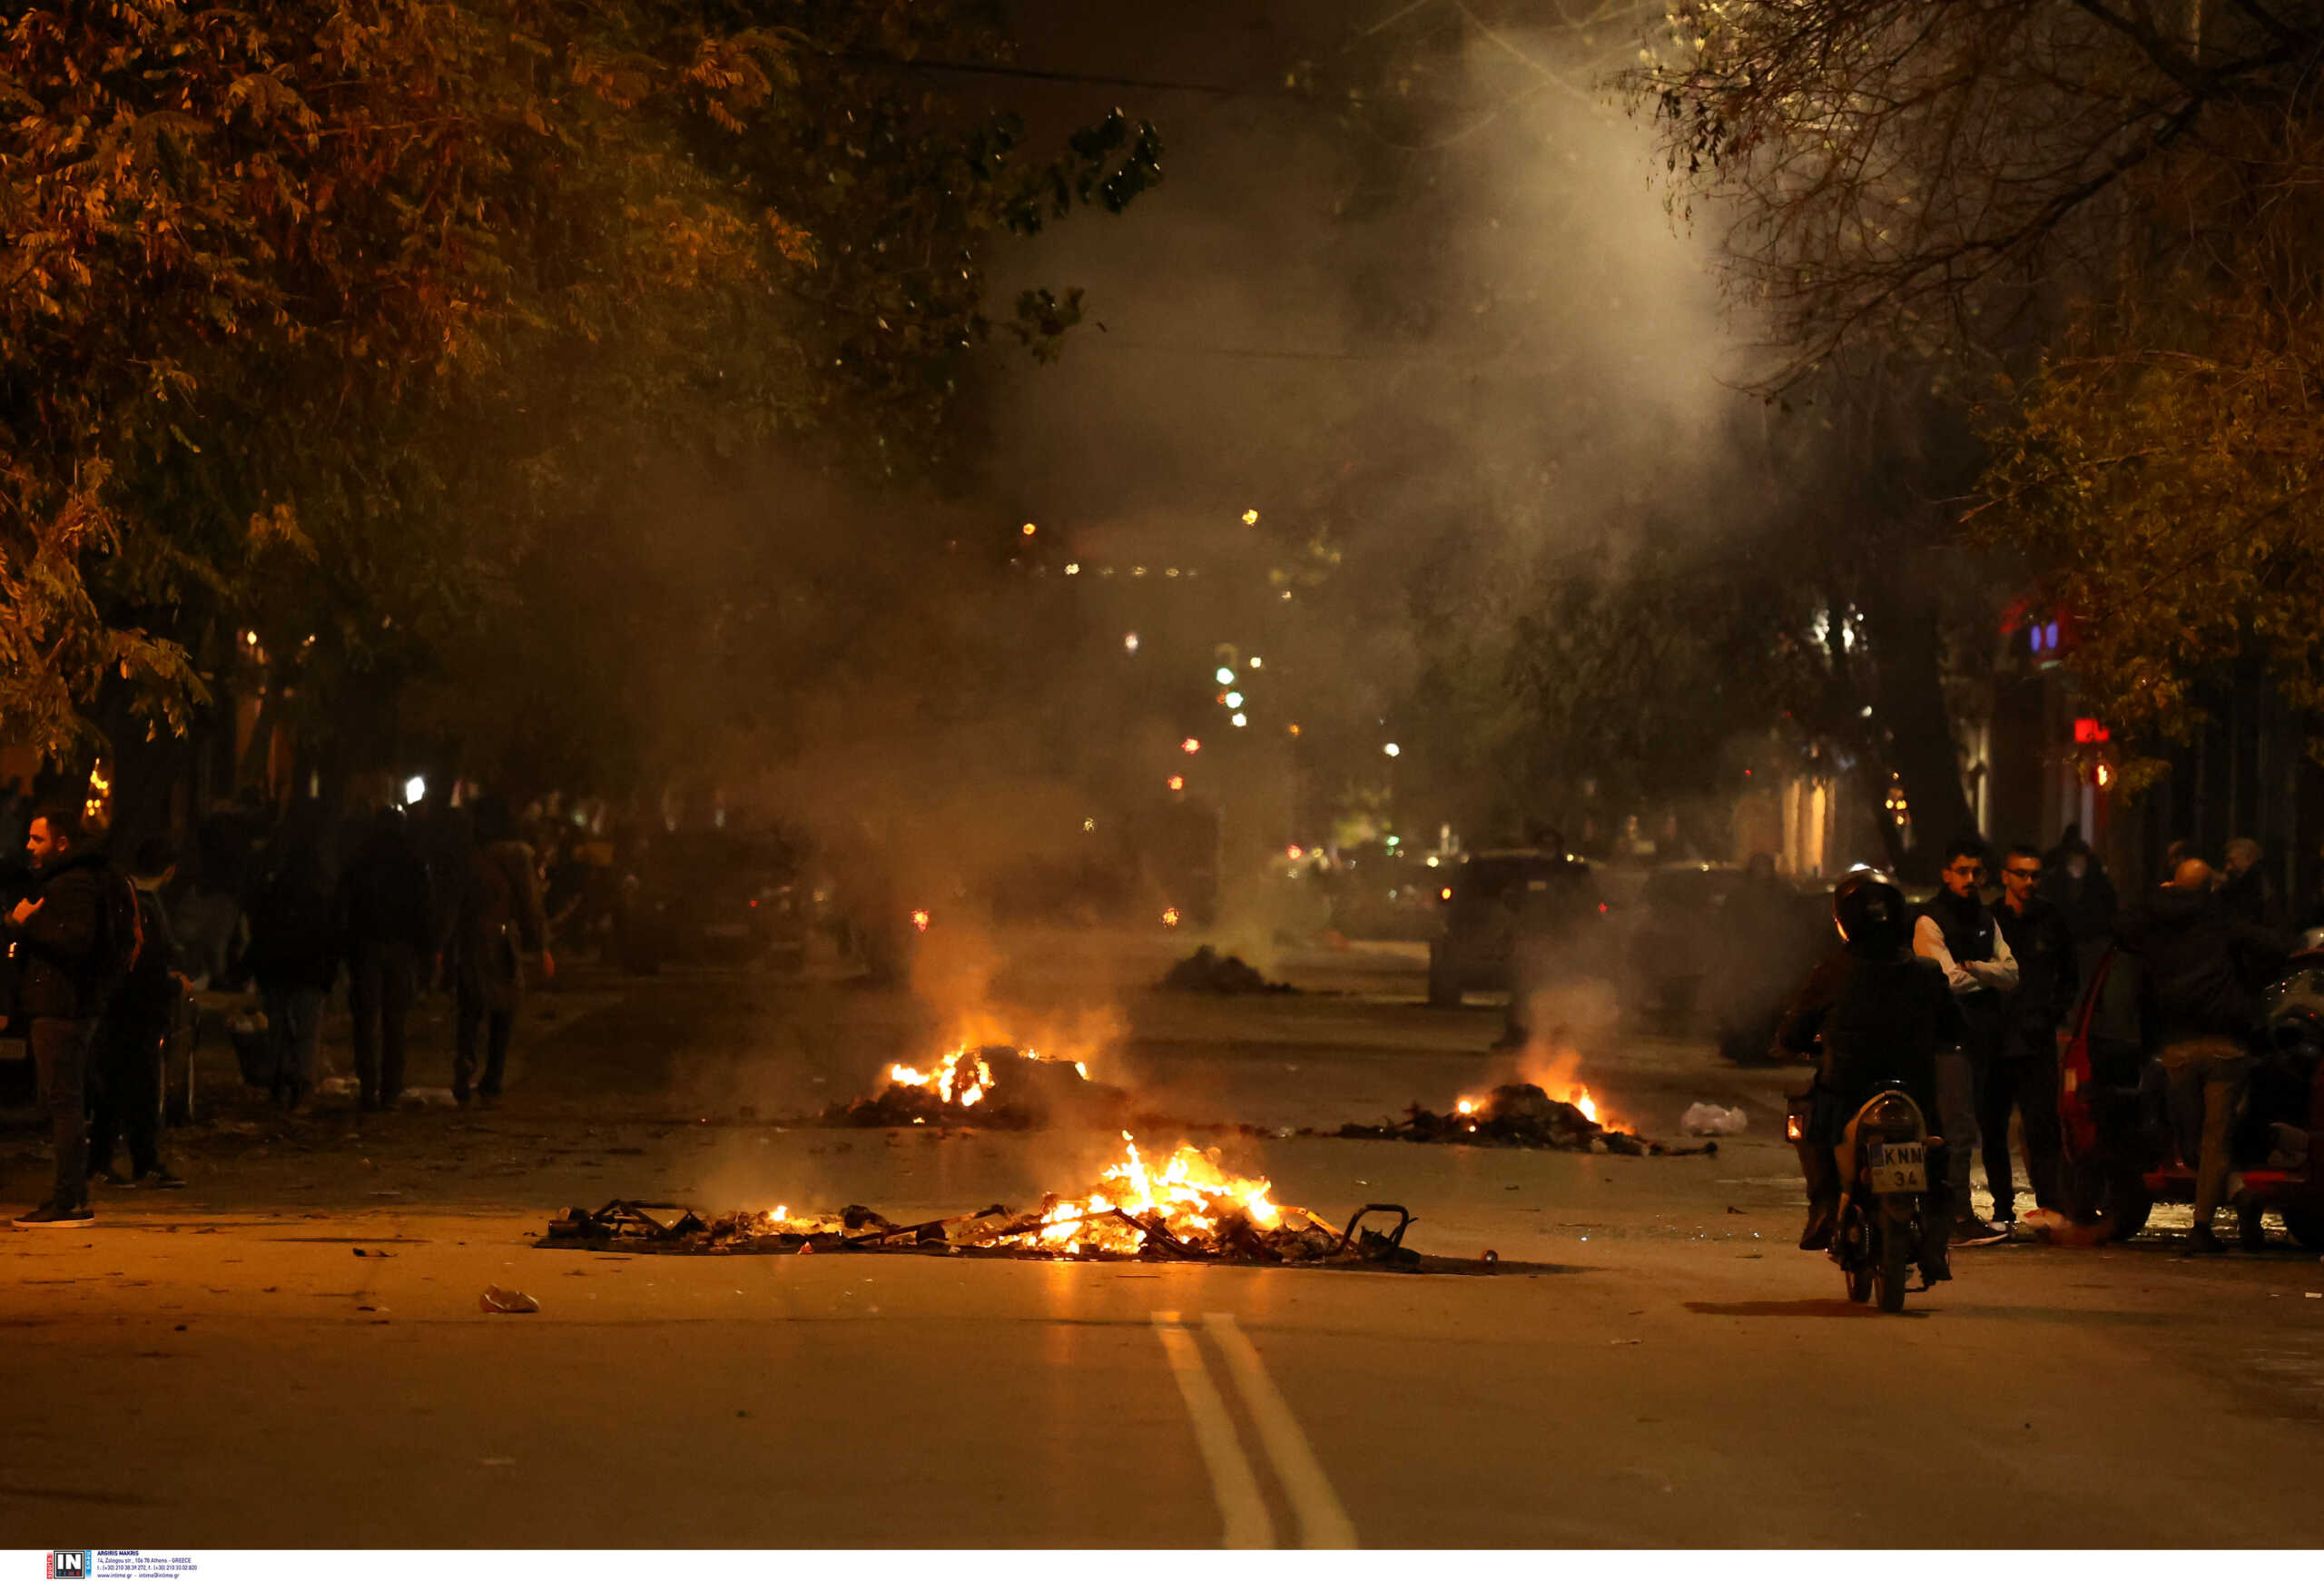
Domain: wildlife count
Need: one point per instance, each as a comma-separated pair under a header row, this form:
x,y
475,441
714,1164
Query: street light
x,y
1239,721
1392,750
415,790
1130,642
1233,699
1226,676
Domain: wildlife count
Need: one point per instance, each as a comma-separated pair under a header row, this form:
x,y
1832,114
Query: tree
x,y
312,323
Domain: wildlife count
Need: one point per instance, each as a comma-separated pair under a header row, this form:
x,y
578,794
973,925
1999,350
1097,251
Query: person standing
x,y
1957,932
293,956
499,919
2074,881
125,1059
387,923
2199,1021
61,932
2249,898
2023,1075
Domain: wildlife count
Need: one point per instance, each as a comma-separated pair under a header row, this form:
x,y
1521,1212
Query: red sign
x,y
2089,731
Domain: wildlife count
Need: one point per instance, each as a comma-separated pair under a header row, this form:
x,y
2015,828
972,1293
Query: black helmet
x,y
1871,913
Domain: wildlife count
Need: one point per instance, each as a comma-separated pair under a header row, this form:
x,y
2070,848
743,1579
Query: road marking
x,y
1323,1520
1231,1479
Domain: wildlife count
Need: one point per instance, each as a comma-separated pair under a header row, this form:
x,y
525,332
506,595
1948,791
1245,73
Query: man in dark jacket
x,y
60,934
125,1059
2023,1074
386,920
2074,881
497,921
2247,897
2199,1022
1957,931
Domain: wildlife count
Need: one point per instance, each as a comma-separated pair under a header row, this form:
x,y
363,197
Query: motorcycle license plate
x,y
1898,1166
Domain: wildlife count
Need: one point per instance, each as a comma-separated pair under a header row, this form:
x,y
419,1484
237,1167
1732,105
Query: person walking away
x,y
2248,897
126,1058
1874,1015
2023,1075
293,957
2074,881
1957,932
2199,1021
63,932
497,921
386,922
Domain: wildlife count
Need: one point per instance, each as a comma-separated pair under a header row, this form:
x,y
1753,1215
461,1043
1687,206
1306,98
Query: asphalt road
x,y
220,1368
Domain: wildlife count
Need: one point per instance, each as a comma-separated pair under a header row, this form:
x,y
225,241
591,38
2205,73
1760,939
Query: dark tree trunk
x,y
1917,728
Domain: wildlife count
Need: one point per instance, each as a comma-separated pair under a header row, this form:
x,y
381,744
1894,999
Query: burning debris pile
x,y
1187,1209
1521,1115
1209,971
992,1085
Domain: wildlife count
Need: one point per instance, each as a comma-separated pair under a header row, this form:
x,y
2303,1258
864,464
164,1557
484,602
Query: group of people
x,y
103,960
1963,1001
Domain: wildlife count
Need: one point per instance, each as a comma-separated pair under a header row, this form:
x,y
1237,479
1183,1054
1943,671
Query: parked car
x,y
1492,901
1679,940
711,895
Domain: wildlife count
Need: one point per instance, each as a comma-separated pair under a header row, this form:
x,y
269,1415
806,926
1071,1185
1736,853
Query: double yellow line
x,y
1322,1521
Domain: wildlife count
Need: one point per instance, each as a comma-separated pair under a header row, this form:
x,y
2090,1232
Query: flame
x,y
1170,917
964,1078
1467,1106
1582,1100
1189,1196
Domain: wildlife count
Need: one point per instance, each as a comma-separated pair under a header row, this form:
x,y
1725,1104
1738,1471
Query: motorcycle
x,y
1884,1204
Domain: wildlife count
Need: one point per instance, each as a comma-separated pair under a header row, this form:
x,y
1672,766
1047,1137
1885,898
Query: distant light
x,y
1226,676
1233,699
1294,852
1432,862
1292,728
1137,571
2105,776
1089,825
415,790
1250,518
1865,712
1256,663
1130,643
1170,917
1286,595
1238,721
1029,529
1190,746
1392,750
920,921
1073,568
1178,782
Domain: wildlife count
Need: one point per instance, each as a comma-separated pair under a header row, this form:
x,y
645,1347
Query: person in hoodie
x,y
293,955
59,933
2198,1021
387,921
1958,931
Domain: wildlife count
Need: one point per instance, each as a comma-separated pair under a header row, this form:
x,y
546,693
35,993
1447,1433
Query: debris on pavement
x,y
1710,1120
1209,971
495,1299
1186,1208
1517,1116
995,1085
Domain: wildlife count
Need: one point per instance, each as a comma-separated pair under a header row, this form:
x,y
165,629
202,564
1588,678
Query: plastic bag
x,y
1710,1120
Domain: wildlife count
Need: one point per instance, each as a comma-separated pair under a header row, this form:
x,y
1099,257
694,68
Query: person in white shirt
x,y
1958,931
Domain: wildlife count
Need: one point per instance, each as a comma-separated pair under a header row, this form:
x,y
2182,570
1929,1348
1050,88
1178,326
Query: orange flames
x,y
1190,1197
963,1077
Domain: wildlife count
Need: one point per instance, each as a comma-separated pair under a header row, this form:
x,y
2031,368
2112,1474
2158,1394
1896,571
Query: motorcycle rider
x,y
1880,1014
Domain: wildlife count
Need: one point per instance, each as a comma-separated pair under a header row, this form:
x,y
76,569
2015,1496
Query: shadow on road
x,y
1829,1307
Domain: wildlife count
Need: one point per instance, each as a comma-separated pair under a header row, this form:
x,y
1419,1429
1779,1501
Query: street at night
x,y
292,1351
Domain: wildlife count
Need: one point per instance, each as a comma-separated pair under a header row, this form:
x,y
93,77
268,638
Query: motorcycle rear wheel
x,y
1889,1274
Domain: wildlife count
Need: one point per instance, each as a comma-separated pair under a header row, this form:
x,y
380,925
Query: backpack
x,y
121,933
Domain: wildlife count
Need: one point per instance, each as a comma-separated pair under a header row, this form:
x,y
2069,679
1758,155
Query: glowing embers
x,y
1520,1115
990,1084
1187,1206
